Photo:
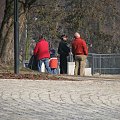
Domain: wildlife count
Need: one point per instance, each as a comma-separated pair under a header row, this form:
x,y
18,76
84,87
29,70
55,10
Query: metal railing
x,y
104,63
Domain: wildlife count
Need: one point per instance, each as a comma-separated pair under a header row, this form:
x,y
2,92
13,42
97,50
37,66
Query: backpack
x,y
33,63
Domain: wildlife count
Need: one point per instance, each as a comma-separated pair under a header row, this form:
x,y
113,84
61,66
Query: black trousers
x,y
63,64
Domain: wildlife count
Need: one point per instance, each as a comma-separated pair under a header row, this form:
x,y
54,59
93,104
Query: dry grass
x,y
7,72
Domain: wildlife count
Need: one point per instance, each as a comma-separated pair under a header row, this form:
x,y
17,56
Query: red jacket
x,y
79,47
41,49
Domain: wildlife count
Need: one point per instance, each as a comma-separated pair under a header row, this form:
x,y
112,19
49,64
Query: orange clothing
x,y
53,63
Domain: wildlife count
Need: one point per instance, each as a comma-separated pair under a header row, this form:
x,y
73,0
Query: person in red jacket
x,y
80,53
41,50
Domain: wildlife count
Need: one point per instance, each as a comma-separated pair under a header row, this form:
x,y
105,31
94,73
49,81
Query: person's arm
x,y
72,49
58,55
73,52
61,48
68,49
85,48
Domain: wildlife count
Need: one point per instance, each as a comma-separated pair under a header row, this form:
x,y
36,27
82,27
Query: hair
x,y
64,36
77,35
41,36
53,53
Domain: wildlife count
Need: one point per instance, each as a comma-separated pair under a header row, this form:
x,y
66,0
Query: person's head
x,y
64,37
76,35
53,53
41,37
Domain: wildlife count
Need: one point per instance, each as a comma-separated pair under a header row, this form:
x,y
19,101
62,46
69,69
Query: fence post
x,y
92,64
100,64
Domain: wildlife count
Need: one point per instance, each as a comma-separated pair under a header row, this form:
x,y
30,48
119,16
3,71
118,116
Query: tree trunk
x,y
7,32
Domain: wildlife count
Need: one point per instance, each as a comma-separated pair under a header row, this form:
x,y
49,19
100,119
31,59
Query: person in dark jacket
x,y
63,51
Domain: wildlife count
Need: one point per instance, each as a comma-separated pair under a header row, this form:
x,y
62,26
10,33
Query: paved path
x,y
87,99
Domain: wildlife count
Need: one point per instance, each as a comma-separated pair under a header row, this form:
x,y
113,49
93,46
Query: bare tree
x,y
6,30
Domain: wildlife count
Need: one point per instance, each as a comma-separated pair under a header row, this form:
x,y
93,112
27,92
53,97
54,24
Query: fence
x,y
104,63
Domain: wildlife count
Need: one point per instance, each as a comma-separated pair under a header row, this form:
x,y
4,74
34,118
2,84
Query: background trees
x,y
97,21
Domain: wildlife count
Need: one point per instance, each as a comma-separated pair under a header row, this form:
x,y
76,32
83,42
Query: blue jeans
x,y
54,71
46,62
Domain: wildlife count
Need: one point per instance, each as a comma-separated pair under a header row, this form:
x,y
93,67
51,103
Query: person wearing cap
x,y
63,51
80,53
41,50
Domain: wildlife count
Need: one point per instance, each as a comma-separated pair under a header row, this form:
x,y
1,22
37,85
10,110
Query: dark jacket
x,y
63,48
33,63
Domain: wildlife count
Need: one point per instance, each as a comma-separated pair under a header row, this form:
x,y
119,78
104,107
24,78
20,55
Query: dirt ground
x,y
7,72
26,73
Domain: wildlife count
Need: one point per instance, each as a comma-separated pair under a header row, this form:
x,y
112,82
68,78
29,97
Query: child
x,y
53,63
